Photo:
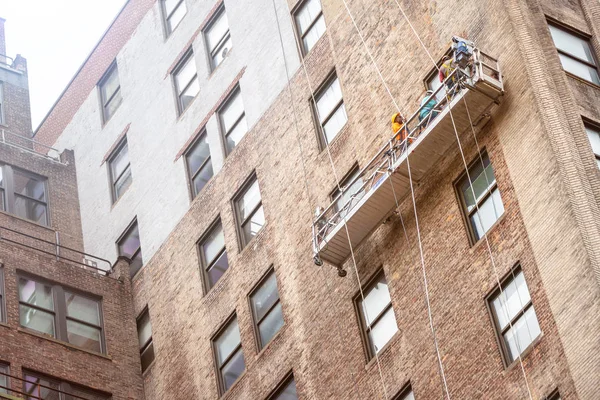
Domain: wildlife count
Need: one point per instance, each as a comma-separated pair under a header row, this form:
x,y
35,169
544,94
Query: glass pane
x,y
236,134
110,84
514,298
147,356
189,94
572,44
408,396
221,52
522,334
348,194
232,111
171,4
594,136
197,155
37,320
314,34
271,325
186,73
289,393
307,14
217,30
213,245
31,210
254,225
82,308
490,210
203,177
227,341
233,369
112,106
144,328
29,186
136,264
3,379
264,298
84,336
335,124
329,99
376,299
580,69
123,183
31,386
119,162
383,331
435,83
175,10
36,293
483,180
216,271
130,243
249,200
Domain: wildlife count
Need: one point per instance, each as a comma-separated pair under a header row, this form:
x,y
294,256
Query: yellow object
x,y
396,127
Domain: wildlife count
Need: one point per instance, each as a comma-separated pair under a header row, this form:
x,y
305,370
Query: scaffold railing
x,y
480,72
29,145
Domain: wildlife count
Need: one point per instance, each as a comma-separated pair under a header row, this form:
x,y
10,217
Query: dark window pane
x,y
144,328
130,243
136,264
4,380
84,336
37,320
216,271
288,393
233,369
197,155
270,325
147,356
83,309
264,298
33,387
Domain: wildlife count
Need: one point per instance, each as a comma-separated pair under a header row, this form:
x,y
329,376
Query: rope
x,y
422,258
307,186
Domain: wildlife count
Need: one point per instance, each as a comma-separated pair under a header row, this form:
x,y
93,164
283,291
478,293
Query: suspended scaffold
x,y
468,94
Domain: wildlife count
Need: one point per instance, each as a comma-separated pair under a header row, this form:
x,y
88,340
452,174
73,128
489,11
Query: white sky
x,y
55,36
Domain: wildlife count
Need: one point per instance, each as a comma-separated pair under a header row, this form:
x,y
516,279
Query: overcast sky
x,y
55,36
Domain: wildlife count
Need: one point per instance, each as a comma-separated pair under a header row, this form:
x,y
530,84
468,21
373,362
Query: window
x,y
213,255
120,170
23,194
405,394
218,38
2,297
228,355
233,120
266,309
40,387
249,211
185,78
199,165
1,103
310,24
516,323
286,390
4,378
173,12
553,396
347,196
144,328
575,53
110,92
594,137
377,318
59,312
330,110
487,198
129,246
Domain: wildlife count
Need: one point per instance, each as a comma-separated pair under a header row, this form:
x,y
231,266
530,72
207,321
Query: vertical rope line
x,y
307,186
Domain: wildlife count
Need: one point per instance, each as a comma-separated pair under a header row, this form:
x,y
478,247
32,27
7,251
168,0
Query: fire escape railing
x,y
29,145
34,390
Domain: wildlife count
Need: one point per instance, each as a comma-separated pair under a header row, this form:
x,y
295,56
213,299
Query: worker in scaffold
x,y
428,105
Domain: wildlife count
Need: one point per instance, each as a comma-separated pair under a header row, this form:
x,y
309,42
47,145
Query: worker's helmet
x,y
429,92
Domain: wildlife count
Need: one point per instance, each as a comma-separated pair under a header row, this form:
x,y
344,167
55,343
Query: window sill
x,y
579,79
525,353
385,348
60,342
5,325
2,212
494,226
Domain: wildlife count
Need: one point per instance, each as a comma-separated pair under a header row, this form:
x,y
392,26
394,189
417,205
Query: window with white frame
x,y
593,134
233,120
173,13
514,317
376,313
575,53
330,110
218,38
199,165
185,78
120,170
310,24
110,92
